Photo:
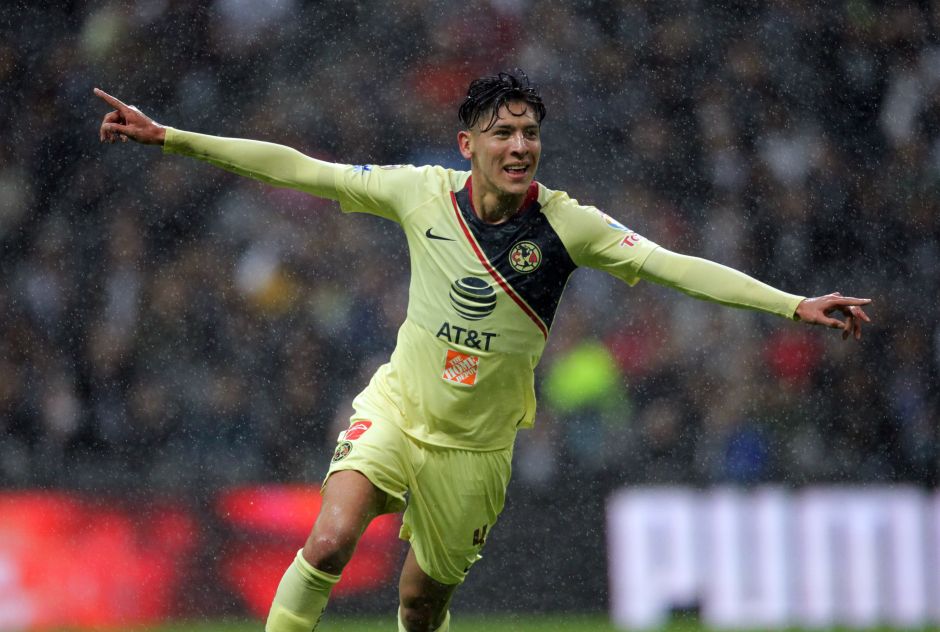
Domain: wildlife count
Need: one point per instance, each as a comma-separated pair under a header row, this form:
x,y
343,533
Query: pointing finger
x,y
112,101
848,300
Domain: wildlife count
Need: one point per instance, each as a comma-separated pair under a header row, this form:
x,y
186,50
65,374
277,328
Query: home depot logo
x,y
461,368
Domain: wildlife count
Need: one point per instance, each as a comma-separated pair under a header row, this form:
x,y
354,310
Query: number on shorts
x,y
479,536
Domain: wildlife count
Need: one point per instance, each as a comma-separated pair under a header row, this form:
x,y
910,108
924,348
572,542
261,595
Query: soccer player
x,y
491,250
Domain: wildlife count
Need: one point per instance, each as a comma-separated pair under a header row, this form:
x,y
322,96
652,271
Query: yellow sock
x,y
301,598
445,627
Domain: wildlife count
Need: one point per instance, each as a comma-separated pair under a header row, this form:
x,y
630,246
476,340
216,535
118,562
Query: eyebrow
x,y
508,126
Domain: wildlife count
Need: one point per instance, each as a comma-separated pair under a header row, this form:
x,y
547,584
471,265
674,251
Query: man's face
x,y
504,158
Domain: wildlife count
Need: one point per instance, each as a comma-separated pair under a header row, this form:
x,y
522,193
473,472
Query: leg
x,y
424,601
350,502
454,502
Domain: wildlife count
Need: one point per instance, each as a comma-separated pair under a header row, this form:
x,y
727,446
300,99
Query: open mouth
x,y
516,170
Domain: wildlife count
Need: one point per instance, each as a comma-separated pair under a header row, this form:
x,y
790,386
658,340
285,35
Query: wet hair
x,y
487,94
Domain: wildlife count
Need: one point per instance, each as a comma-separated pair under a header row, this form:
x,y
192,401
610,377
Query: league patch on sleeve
x,y
460,368
630,239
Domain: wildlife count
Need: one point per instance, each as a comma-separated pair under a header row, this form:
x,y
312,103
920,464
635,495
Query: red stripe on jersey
x,y
493,273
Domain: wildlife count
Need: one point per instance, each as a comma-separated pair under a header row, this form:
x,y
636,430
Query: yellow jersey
x,y
482,297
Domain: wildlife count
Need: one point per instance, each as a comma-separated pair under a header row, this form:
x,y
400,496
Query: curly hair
x,y
487,95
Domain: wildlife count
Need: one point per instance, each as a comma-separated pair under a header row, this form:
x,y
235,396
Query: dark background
x,y
169,329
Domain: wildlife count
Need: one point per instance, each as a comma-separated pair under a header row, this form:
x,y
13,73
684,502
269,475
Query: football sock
x,y
445,627
301,598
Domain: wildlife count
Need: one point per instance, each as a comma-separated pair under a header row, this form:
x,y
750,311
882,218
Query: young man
x,y
491,251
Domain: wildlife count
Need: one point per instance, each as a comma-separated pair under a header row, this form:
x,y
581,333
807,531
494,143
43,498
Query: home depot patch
x,y
460,368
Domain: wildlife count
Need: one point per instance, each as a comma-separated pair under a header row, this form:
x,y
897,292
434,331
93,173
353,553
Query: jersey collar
x,y
530,196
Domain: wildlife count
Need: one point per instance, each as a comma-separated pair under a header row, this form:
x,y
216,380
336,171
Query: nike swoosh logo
x,y
431,235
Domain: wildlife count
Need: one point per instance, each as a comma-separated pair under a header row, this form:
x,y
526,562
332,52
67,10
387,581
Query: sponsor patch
x,y
630,239
460,368
525,257
357,430
472,298
342,451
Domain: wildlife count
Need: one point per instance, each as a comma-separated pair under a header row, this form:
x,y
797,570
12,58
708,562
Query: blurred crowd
x,y
169,326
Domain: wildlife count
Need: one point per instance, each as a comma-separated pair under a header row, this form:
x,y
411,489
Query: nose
x,y
519,144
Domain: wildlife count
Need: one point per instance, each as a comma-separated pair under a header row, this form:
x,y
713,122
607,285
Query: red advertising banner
x,y
70,560
269,523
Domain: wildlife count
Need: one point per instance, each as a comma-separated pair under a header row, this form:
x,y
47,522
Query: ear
x,y
465,144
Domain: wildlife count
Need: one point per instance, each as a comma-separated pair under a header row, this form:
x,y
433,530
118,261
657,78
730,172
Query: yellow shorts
x,y
451,497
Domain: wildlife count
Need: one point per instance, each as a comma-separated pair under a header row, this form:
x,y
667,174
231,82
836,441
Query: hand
x,y
126,121
815,311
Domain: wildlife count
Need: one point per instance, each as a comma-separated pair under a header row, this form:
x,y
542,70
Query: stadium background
x,y
170,331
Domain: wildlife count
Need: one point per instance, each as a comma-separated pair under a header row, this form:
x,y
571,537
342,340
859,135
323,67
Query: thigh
x,y
454,503
381,452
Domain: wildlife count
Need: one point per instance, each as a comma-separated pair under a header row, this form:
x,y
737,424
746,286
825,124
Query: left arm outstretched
x,y
714,282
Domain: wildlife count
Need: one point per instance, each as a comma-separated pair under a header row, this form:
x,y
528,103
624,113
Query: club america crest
x,y
525,257
342,451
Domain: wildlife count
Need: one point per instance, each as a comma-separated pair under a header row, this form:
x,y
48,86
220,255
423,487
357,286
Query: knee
x,y
330,549
419,614
416,619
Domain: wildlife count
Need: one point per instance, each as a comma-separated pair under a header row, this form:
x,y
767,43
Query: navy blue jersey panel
x,y
527,253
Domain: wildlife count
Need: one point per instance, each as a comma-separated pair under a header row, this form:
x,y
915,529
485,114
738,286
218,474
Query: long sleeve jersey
x,y
482,297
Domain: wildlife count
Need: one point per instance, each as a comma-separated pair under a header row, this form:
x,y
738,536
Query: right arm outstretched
x,y
268,162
